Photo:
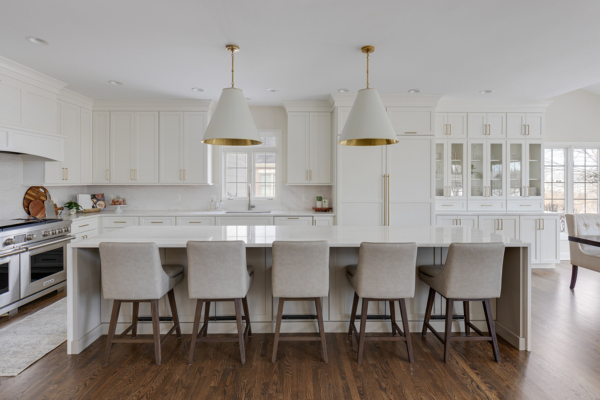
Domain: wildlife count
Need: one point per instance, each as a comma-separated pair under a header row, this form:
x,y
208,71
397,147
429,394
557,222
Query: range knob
x,y
9,241
46,233
53,232
59,230
30,236
68,229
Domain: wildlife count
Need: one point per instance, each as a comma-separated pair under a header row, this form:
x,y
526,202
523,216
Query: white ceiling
x,y
524,50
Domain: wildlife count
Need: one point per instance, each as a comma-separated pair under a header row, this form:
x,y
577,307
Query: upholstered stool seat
x,y
473,272
385,272
217,271
583,255
132,272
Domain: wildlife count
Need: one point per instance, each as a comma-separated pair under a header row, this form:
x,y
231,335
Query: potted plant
x,y
73,207
319,201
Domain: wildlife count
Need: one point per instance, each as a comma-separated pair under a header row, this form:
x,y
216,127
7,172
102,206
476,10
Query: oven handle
x,y
12,253
51,243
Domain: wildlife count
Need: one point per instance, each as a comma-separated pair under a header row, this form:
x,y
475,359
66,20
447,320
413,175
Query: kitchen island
x,y
89,313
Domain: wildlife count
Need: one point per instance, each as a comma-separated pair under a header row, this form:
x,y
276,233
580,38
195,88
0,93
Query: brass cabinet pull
x,y
120,222
528,131
524,130
130,174
184,178
450,125
410,133
310,174
487,205
447,205
67,173
135,174
81,226
502,224
445,129
180,174
543,224
107,174
525,205
195,222
306,174
156,222
293,217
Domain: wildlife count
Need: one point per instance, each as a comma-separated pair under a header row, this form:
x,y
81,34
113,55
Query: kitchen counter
x,y
89,314
186,213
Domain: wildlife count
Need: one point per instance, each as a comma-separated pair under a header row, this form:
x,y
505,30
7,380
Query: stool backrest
x,y
132,271
300,269
473,271
217,270
581,225
386,270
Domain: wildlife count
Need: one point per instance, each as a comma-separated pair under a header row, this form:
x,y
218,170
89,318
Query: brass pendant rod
x,y
367,70
232,53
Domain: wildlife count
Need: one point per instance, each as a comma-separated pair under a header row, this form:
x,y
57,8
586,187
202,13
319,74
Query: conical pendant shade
x,y
232,123
368,123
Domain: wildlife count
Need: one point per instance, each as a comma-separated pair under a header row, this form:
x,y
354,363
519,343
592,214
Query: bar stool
x,y
132,272
217,271
385,272
300,273
473,272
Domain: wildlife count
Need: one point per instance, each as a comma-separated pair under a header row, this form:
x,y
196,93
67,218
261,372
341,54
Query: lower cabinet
x,y
195,221
501,224
457,220
323,221
295,221
247,221
84,229
157,221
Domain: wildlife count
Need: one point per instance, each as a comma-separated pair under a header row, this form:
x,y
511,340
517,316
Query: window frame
x,y
251,151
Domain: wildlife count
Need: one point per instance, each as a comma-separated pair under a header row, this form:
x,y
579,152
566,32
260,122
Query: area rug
x,y
28,340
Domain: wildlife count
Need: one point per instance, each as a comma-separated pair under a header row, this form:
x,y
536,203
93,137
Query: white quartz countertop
x,y
505,213
264,236
185,213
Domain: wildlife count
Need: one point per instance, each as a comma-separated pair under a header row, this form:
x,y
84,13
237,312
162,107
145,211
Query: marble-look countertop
x,y
264,236
184,213
506,213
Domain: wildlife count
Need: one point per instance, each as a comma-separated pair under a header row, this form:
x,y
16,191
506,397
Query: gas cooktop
x,y
9,224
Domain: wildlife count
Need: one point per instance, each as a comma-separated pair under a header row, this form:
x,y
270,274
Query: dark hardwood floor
x,y
564,364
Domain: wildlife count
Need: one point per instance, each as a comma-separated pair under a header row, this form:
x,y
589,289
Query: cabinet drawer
x,y
450,206
195,221
526,206
485,206
323,221
244,221
297,221
411,122
85,225
157,221
119,222
86,235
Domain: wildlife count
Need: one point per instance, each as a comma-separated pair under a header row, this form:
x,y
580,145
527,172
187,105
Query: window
x,y
259,166
585,181
554,180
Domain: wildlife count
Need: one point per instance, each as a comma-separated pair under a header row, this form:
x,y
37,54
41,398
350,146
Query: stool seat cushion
x,y
430,271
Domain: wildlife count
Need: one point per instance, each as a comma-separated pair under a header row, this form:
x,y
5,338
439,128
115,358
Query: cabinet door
x,y
550,240
298,147
509,226
320,148
171,147
489,223
295,221
411,121
468,220
122,133
496,125
476,123
457,125
197,166
446,220
10,101
477,169
441,125
70,126
441,170
516,169
495,170
457,171
535,167
100,147
529,232
516,126
535,125
146,147
323,221
86,146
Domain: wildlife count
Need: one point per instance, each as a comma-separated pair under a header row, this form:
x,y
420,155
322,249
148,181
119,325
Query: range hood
x,y
42,146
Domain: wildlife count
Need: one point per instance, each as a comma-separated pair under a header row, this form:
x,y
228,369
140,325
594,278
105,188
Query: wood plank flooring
x,y
564,364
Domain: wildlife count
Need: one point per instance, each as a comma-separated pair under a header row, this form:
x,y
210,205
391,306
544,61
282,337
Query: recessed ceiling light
x,y
271,90
37,40
413,91
487,91
343,90
115,83
197,89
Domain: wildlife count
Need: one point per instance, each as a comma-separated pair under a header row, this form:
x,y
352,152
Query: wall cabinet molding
x,y
309,148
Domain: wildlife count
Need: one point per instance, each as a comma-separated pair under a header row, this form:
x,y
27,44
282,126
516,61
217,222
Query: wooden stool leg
x,y
404,315
353,314
156,330
174,314
467,318
573,276
195,329
247,316
428,310
240,328
393,316
319,307
134,319
206,317
448,333
112,328
277,329
491,328
363,329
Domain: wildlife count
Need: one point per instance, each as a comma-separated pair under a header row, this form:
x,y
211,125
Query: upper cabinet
x,y
487,125
451,125
409,121
101,147
309,148
525,125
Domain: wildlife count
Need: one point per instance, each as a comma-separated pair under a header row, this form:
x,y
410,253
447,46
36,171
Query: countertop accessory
x,y
37,193
322,209
73,207
319,201
98,200
37,209
85,201
119,209
50,208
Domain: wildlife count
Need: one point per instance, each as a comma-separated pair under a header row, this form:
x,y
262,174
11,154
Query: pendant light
x,y
232,123
368,123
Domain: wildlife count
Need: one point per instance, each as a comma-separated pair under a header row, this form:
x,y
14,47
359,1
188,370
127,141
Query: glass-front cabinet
x,y
525,163
450,171
487,170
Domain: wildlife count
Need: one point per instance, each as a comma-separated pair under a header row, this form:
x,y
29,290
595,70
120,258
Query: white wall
x,y
573,117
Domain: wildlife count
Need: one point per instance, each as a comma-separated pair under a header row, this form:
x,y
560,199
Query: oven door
x,y
43,266
9,277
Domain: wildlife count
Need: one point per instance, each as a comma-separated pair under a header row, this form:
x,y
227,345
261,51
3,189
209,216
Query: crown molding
x,y
155,105
389,100
471,106
30,76
307,105
77,99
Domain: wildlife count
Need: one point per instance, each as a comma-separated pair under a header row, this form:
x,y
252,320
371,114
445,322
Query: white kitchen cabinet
x,y
544,235
119,222
323,221
184,159
457,220
85,146
525,125
309,148
507,225
450,170
100,147
134,147
244,221
486,125
157,221
451,125
195,221
412,120
486,180
294,221
526,166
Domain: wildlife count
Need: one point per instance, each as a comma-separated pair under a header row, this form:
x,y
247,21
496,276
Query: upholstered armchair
x,y
583,255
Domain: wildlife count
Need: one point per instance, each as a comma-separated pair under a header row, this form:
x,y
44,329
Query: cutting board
x,y
37,209
37,193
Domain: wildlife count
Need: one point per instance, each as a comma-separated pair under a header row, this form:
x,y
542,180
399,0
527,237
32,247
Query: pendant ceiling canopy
x,y
232,123
368,123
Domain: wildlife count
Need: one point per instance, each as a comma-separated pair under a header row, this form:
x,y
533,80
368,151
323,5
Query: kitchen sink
x,y
247,212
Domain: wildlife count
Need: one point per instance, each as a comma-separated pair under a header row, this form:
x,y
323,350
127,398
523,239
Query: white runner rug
x,y
28,340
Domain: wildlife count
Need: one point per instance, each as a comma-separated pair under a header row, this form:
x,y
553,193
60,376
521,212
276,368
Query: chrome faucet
x,y
250,206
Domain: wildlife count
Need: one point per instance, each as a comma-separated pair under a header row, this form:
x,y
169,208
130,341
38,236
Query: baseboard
x,y
510,336
77,346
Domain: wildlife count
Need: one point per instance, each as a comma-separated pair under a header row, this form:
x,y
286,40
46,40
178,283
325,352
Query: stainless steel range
x,y
33,259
